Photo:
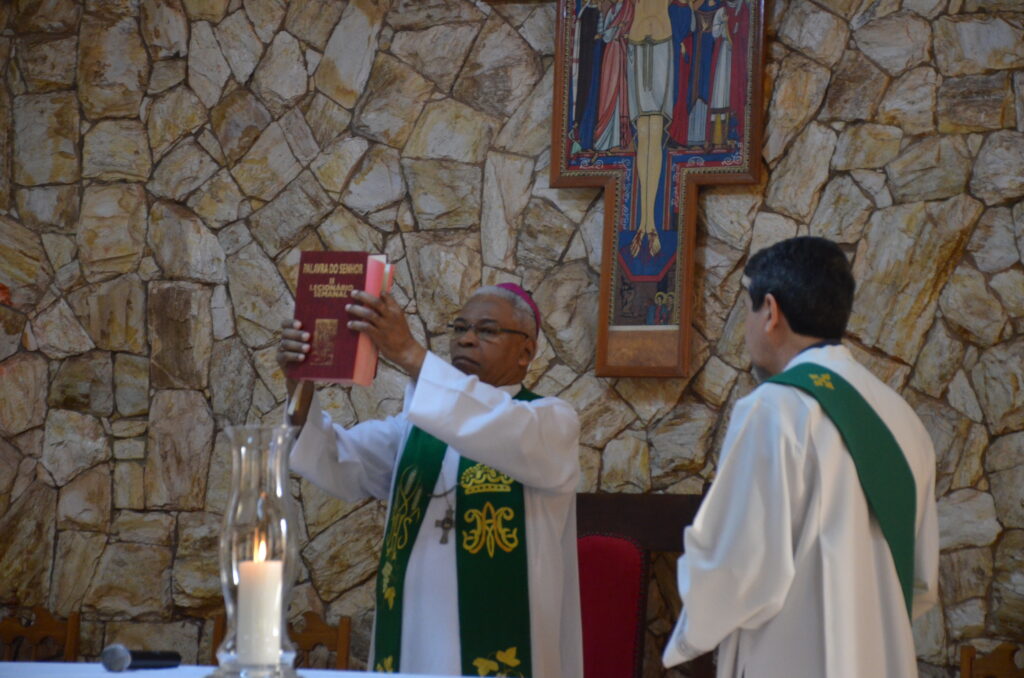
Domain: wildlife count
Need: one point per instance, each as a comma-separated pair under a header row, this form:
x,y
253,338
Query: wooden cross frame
x,y
654,98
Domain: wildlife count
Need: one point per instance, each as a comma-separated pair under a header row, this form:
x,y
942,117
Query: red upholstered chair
x,y
613,603
617,534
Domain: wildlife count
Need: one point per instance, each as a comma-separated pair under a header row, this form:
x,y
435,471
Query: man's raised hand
x,y
383,320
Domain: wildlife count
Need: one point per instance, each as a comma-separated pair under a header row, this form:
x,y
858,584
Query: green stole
x,y
493,589
882,469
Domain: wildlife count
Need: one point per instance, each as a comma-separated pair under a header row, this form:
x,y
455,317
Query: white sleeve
x,y
737,565
352,464
536,442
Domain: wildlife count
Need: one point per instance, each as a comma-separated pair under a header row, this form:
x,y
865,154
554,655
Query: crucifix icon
x,y
446,524
652,99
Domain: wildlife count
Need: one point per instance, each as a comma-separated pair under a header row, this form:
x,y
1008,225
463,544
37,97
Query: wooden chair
x,y
315,632
996,664
641,524
22,640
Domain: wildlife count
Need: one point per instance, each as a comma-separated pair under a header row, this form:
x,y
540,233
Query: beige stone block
x,y
335,164
84,503
121,589
183,246
166,74
240,45
626,465
977,43
280,223
78,554
572,202
26,375
48,207
933,237
445,194
266,16
312,20
58,333
453,131
680,442
931,169
1009,287
208,71
506,192
543,235
794,185
104,91
391,102
896,42
45,139
437,52
346,554
910,101
113,313
1007,588
46,62
937,361
111,229
84,383
967,518
46,16
998,379
842,211
73,443
968,304
172,116
185,168
856,88
130,449
348,56
260,297
144,527
415,14
998,175
280,78
321,510
567,298
206,10
975,103
238,120
180,334
815,32
219,201
116,149
268,166
343,230
866,146
180,442
377,183
196,573
603,414
164,28
26,551
500,71
12,325
528,130
796,96
714,382
26,271
326,119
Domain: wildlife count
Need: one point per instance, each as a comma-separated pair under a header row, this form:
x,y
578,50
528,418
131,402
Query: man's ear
x,y
529,350
774,312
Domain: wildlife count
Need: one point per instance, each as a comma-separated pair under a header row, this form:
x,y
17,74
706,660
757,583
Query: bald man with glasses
x,y
478,571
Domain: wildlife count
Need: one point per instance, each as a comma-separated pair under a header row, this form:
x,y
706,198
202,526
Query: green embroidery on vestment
x,y
881,466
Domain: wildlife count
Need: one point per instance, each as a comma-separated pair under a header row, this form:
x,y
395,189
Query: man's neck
x,y
791,348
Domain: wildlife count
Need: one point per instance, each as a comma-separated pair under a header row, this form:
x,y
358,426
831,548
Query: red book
x,y
325,286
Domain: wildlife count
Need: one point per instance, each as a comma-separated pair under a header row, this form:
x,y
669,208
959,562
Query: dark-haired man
x,y
478,566
818,541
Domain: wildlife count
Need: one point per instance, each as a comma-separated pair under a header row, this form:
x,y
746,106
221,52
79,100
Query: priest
x,y
478,566
818,541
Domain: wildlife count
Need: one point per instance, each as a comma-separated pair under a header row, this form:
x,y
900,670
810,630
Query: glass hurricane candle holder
x,y
258,555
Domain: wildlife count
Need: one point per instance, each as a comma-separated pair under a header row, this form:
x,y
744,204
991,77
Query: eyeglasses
x,y
486,330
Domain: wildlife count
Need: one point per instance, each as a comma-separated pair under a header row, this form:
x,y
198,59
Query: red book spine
x,y
325,285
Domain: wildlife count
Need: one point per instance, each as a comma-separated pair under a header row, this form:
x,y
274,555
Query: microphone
x,y
118,658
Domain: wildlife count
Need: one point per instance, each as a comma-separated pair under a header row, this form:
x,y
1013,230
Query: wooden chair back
x,y
996,664
315,631
24,640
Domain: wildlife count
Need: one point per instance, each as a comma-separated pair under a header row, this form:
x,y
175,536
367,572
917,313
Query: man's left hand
x,y
384,322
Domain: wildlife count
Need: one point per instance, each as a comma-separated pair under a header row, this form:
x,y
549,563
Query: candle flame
x,y
260,553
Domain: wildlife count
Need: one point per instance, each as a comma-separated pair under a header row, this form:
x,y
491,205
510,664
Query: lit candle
x,y
259,608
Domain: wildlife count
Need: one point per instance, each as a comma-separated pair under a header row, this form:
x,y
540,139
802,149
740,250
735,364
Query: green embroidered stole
x,y
493,590
882,469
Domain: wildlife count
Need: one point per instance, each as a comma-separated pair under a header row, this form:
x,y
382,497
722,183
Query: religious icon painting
x,y
652,99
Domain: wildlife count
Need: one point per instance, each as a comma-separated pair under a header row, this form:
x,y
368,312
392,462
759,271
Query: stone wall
x,y
163,162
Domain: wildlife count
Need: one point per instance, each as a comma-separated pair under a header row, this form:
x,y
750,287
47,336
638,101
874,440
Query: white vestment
x,y
784,567
536,443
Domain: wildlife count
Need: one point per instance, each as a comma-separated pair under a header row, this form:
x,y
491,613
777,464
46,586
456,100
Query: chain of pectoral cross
x,y
448,522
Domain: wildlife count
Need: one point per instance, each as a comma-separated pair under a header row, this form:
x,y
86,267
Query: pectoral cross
x,y
446,524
